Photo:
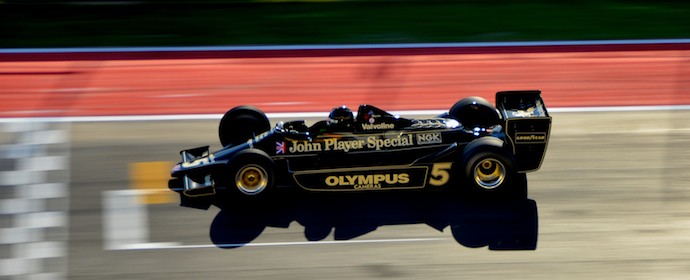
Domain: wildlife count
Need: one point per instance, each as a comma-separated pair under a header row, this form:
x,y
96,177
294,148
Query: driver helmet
x,y
341,117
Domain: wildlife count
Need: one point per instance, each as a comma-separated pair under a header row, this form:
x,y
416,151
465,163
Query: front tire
x,y
251,174
240,124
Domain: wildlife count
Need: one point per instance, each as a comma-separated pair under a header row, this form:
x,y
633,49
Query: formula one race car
x,y
474,147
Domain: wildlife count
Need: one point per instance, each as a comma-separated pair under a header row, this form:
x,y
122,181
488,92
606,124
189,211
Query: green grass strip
x,y
335,22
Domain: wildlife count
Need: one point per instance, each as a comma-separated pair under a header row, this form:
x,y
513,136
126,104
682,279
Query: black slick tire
x,y
474,112
250,174
489,170
240,124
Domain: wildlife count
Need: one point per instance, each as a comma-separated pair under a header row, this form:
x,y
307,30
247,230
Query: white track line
x,y
301,115
125,227
159,246
343,46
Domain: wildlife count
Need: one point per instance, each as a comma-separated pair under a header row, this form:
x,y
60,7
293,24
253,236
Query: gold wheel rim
x,y
251,179
489,173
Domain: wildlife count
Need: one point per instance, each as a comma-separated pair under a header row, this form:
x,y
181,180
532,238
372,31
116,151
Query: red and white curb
x,y
34,200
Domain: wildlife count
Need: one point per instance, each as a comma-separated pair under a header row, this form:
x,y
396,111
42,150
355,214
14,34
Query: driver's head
x,y
341,117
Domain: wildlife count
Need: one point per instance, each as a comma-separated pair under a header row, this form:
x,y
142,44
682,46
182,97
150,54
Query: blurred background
x,y
97,99
45,23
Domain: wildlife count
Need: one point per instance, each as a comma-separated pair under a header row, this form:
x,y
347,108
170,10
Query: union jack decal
x,y
280,148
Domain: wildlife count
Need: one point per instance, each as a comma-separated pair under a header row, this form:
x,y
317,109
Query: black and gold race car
x,y
475,148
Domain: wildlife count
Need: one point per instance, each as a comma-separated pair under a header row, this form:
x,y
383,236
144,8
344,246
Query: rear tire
x,y
490,171
474,112
240,124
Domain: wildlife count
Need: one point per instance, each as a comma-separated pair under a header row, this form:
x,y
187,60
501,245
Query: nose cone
x,y
175,169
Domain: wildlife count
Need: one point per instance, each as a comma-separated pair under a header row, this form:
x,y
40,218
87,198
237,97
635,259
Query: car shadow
x,y
500,225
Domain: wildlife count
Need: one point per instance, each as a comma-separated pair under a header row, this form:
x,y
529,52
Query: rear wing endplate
x,y
527,126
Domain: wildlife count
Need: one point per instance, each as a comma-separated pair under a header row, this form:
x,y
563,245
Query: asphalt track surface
x,y
610,199
611,202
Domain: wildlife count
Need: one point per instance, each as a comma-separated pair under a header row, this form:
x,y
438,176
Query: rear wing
x,y
527,126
